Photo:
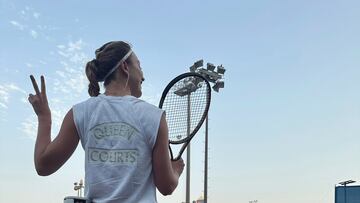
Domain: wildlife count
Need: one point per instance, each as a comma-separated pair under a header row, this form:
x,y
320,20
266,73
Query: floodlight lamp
x,y
220,69
198,82
347,182
188,87
198,63
218,85
210,66
210,79
209,75
215,88
192,68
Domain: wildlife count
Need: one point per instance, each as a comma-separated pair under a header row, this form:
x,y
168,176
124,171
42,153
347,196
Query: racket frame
x,y
188,138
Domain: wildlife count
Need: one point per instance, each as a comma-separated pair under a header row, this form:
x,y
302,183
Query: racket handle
x,y
171,154
181,151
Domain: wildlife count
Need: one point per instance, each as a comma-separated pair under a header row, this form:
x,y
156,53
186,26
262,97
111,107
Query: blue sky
x,y
284,129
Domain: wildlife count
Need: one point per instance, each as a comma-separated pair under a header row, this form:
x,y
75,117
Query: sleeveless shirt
x,y
118,135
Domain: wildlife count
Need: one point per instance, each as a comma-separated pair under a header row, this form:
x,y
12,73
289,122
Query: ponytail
x,y
94,88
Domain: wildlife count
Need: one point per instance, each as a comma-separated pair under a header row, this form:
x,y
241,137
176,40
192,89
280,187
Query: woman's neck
x,y
116,89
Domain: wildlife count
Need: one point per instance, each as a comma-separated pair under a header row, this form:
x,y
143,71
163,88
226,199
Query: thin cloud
x,y
29,127
17,25
36,15
73,52
42,62
60,73
75,45
4,106
24,100
34,34
61,46
72,61
5,94
15,88
28,20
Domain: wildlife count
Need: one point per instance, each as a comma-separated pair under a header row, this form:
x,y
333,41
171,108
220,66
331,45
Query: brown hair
x,y
107,56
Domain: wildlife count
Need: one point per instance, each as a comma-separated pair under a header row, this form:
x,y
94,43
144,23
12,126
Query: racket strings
x,y
184,113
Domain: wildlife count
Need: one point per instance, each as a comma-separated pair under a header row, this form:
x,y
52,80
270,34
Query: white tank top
x,y
118,135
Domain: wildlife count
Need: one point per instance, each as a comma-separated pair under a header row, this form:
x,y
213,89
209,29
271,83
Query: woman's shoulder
x,y
142,103
88,102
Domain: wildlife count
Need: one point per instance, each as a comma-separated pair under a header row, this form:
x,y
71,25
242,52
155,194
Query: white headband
x,y
120,62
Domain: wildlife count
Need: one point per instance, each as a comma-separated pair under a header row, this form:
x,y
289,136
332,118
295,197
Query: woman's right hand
x,y
39,101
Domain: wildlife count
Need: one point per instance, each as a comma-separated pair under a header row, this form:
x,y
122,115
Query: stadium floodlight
x,y
78,187
347,182
217,78
218,85
220,69
210,66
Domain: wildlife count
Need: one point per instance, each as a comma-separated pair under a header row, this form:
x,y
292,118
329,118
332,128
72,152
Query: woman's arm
x,y
50,155
166,172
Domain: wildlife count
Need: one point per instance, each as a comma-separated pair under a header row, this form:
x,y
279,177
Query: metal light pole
x,y
215,77
188,154
188,174
345,183
206,159
189,87
187,200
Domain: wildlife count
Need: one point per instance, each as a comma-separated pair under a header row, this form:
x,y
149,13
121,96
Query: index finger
x,y
36,88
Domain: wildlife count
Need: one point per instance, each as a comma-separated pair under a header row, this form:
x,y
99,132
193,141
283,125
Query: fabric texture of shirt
x,y
118,135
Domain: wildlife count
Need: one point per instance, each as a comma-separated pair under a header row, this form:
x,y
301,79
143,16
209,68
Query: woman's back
x,y
118,135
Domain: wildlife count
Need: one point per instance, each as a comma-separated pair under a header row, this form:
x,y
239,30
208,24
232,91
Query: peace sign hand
x,y
39,101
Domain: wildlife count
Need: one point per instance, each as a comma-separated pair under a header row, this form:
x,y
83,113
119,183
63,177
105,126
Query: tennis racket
x,y
186,101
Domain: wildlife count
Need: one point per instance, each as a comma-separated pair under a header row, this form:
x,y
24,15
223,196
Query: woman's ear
x,y
125,68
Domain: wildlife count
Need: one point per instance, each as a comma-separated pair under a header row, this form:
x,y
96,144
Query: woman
x,y
125,139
